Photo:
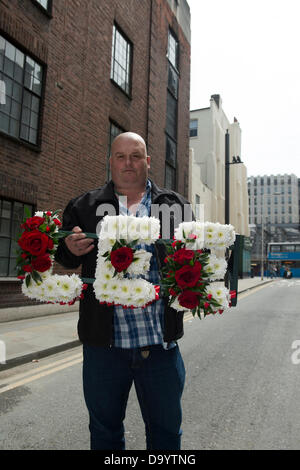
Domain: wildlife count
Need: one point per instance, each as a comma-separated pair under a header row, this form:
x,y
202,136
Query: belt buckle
x,y
145,353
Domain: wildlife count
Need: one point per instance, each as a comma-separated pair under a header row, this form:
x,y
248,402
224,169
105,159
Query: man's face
x,y
129,163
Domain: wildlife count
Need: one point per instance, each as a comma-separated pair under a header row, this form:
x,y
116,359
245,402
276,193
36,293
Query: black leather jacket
x,y
95,325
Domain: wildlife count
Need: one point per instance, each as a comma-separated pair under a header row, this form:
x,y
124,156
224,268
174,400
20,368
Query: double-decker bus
x,y
284,255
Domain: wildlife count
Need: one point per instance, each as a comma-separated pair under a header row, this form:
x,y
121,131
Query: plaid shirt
x,y
138,327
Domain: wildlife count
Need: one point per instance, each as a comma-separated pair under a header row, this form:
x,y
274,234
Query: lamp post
x,y
235,160
262,234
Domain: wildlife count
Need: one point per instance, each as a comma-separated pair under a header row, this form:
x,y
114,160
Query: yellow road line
x,y
39,376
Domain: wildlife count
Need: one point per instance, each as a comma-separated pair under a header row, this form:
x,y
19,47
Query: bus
x,y
284,255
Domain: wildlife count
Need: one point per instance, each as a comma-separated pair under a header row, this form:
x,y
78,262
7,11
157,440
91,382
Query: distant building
x,y
208,127
73,75
273,207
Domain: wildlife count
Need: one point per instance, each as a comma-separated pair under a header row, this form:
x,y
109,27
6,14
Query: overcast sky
x,y
248,51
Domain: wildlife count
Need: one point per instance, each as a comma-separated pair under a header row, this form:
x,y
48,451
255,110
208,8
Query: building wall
x,y
209,166
275,198
80,100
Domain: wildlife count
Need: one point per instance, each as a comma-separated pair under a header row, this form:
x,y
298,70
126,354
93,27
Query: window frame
x,y
47,11
35,147
9,237
116,28
176,66
193,128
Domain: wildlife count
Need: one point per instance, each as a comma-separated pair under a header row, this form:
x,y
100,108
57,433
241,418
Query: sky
x,y
247,51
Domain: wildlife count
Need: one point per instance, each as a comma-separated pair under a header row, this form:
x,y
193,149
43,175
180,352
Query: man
x,y
126,346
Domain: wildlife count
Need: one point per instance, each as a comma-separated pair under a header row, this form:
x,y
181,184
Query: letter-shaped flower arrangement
x,y
195,259
119,263
38,243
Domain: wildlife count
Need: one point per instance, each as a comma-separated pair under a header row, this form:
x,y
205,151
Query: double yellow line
x,y
40,372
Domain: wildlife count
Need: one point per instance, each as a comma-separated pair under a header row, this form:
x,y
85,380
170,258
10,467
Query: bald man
x,y
125,346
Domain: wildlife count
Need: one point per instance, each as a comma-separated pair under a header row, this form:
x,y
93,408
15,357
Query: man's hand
x,y
78,243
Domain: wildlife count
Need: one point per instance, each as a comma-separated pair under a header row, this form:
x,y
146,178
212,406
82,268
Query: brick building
x,y
72,76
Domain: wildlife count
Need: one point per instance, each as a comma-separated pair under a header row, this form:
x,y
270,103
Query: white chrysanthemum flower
x,y
220,294
141,264
216,267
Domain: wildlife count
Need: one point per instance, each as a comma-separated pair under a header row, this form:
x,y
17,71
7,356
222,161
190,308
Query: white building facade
x,y
208,127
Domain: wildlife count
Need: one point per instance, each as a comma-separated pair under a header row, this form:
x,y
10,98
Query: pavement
x,y
43,330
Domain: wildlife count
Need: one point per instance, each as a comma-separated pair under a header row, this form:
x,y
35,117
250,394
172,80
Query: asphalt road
x,y
242,386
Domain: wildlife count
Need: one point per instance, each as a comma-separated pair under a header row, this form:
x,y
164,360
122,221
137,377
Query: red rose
x,y
188,276
182,256
172,291
50,244
42,263
121,258
27,268
57,221
33,223
188,299
206,305
35,242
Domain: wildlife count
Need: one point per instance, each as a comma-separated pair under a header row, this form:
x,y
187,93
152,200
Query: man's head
x,y
129,162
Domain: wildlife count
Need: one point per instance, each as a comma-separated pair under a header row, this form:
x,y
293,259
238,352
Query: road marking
x,y
34,377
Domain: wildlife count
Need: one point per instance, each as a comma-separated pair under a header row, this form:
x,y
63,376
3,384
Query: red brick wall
x,y
75,45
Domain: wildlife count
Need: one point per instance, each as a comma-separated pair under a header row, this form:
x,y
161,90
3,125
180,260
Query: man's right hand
x,y
78,243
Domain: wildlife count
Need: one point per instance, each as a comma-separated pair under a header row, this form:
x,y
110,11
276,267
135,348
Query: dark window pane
x,y
4,122
171,125
24,132
171,151
3,266
4,246
17,92
14,127
34,120
12,267
173,81
15,109
27,99
35,104
4,227
26,116
193,128
8,67
32,136
170,177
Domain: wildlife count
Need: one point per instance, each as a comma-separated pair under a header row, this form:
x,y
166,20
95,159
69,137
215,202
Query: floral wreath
x,y
195,260
38,243
119,263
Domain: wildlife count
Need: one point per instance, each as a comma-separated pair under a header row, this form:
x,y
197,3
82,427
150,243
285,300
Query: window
x,y
283,220
170,177
173,50
121,61
21,80
193,127
44,5
114,130
11,216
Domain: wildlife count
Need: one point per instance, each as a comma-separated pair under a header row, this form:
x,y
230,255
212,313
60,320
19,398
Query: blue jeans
x,y
108,374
